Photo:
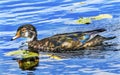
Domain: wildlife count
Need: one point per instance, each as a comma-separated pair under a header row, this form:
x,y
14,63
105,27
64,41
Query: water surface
x,y
52,17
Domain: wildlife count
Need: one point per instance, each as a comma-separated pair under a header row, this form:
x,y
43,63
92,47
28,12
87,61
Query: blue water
x,y
58,16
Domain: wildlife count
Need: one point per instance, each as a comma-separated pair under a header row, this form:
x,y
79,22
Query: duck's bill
x,y
15,37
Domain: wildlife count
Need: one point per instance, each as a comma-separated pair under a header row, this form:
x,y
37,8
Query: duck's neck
x,y
33,38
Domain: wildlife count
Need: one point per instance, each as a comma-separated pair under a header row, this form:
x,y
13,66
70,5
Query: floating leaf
x,y
88,20
54,56
82,3
13,53
22,53
84,21
79,3
102,16
28,54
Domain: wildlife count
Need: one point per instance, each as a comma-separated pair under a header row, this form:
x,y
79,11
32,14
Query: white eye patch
x,y
29,35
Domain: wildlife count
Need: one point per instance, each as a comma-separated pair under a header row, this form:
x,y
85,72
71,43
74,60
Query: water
x,y
52,17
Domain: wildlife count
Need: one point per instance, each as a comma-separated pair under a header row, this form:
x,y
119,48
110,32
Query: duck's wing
x,y
65,42
79,36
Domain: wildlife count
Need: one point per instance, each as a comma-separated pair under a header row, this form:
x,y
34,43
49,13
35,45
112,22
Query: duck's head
x,y
26,31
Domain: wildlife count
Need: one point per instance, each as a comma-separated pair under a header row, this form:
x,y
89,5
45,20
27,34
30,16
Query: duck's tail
x,y
96,31
99,30
110,38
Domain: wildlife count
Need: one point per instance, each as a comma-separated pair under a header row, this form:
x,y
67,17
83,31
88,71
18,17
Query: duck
x,y
61,42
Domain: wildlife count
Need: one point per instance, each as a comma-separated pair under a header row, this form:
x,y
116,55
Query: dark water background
x,y
57,16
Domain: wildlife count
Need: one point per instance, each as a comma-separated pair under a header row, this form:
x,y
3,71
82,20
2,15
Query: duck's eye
x,y
23,30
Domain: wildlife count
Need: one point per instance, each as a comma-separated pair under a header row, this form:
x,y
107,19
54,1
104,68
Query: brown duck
x,y
61,42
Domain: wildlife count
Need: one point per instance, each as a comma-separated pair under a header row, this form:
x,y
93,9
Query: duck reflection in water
x,y
28,63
